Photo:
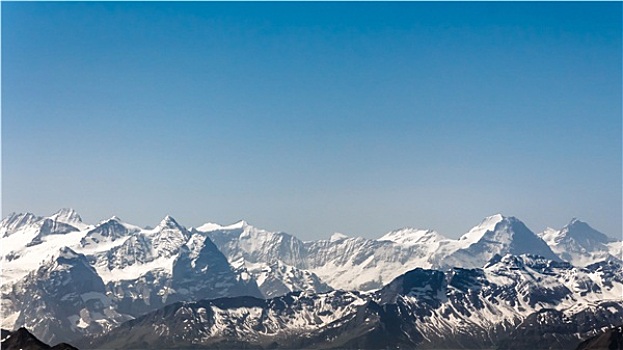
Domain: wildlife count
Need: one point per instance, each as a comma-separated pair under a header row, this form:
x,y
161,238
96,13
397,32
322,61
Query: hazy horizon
x,y
314,118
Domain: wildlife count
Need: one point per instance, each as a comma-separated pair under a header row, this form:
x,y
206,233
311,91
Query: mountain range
x,y
244,286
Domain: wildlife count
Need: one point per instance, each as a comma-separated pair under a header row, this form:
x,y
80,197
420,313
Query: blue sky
x,y
314,117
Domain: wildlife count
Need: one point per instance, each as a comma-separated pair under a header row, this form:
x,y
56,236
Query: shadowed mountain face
x,y
612,339
83,279
582,245
65,279
22,339
511,303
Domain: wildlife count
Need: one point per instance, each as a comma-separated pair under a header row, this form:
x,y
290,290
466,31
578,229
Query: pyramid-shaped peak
x,y
169,222
582,231
577,224
488,224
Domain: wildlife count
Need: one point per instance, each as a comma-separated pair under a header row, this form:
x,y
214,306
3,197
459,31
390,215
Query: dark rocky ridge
x,y
22,339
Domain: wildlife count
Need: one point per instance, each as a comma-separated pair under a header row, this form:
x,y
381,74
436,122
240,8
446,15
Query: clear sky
x,y
313,118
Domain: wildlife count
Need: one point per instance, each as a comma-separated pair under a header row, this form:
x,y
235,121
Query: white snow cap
x,y
66,215
337,237
211,226
486,225
168,221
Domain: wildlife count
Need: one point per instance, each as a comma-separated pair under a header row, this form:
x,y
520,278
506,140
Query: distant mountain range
x,y
500,283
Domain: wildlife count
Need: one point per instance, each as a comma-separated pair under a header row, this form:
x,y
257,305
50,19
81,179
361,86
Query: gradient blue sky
x,y
313,118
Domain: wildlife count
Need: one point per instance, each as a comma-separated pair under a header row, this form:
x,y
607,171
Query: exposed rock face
x,y
514,302
22,339
612,339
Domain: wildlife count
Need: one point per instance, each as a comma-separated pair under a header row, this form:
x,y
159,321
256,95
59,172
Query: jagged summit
x,y
17,221
117,267
67,215
169,222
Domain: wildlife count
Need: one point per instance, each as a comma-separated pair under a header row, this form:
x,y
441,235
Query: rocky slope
x,y
611,339
511,303
22,339
63,278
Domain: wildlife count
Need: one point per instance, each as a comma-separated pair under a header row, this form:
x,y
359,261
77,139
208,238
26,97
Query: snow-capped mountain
x,y
495,306
581,245
495,235
63,299
366,264
274,259
341,262
277,278
134,270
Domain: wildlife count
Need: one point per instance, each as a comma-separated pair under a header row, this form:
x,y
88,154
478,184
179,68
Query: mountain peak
x,y
336,236
67,215
495,217
169,222
583,232
239,224
488,224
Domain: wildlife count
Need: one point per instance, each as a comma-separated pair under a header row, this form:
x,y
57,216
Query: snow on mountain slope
x,y
15,222
496,234
503,305
256,245
508,302
411,237
236,322
581,245
363,264
341,262
107,234
19,256
274,259
63,299
145,269
277,279
70,217
141,269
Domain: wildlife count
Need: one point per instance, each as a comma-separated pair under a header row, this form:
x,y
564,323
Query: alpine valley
x,y
116,285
